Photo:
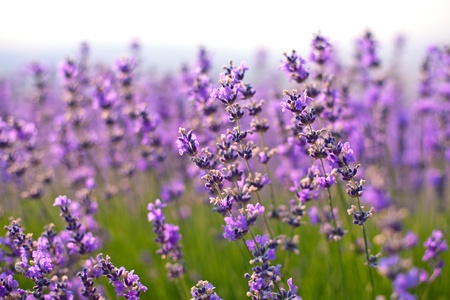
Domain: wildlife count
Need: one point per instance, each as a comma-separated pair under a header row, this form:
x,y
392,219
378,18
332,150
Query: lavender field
x,y
316,179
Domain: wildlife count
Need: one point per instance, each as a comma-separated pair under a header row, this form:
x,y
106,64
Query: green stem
x,y
368,262
341,267
46,211
271,191
184,286
286,260
266,223
366,248
180,289
279,290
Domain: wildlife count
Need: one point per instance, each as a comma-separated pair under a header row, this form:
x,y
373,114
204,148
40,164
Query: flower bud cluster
x,y
264,279
168,236
204,290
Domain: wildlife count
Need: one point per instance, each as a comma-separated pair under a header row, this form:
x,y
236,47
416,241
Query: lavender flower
x,y
321,50
126,283
81,241
434,246
9,288
187,143
237,227
168,237
89,290
294,67
204,290
405,281
292,293
367,55
295,102
265,277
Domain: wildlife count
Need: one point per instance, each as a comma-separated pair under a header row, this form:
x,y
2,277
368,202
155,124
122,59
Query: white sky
x,y
233,24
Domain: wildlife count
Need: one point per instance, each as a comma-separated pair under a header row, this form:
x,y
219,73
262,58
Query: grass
x,y
129,241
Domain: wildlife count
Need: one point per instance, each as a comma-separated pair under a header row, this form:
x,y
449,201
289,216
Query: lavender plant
x,y
273,176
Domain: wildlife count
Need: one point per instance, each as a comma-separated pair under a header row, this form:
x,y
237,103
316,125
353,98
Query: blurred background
x,y
170,32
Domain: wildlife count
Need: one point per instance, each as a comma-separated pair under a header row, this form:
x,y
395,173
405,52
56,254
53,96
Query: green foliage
x,y
129,241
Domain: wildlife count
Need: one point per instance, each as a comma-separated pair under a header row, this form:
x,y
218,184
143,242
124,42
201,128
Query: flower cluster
x,y
168,237
434,246
265,277
126,283
237,227
294,67
81,241
204,290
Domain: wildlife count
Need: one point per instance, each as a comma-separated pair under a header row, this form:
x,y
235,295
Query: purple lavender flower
x,y
237,227
61,201
204,290
78,239
227,95
89,291
291,294
168,237
305,188
434,245
325,182
9,287
377,198
203,61
172,190
223,205
405,281
69,69
155,213
258,181
294,67
410,240
314,216
321,50
264,276
295,102
126,283
187,143
360,216
367,55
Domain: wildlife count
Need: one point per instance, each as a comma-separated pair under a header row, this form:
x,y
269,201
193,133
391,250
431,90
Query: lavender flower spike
x,y
168,236
187,143
204,290
435,245
126,283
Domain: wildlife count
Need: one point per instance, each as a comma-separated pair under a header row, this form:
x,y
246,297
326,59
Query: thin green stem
x,y
46,211
184,287
368,262
341,266
366,246
279,290
180,289
266,223
286,260
254,239
271,191
246,247
330,199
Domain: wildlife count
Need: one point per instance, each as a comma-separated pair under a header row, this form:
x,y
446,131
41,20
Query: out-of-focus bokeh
x,y
171,31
